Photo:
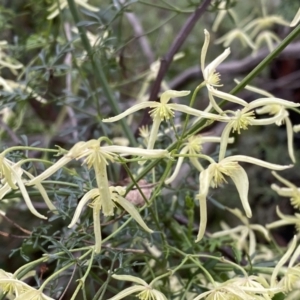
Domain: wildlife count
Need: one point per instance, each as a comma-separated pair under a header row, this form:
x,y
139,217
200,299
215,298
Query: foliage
x,y
128,169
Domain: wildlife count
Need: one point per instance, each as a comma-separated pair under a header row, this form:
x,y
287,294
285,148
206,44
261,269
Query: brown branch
x,y
236,66
166,61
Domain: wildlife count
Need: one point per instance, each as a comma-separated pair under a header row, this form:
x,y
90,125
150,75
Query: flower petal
x,y
256,161
88,196
240,179
130,278
129,207
128,291
131,110
167,95
204,179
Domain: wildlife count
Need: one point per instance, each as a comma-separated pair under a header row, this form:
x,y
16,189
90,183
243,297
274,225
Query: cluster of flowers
x,y
104,197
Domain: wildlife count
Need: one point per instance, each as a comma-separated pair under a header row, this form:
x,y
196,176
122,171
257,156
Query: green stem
x,y
55,274
98,71
266,60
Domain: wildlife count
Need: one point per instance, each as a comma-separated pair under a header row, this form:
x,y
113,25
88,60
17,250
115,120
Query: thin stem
x,y
98,70
266,61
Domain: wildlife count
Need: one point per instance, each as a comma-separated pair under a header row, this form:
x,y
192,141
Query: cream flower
x,y
115,196
285,220
163,111
214,176
97,156
234,34
268,37
193,147
241,232
290,191
296,19
265,22
62,4
242,119
276,109
11,178
292,273
212,78
145,290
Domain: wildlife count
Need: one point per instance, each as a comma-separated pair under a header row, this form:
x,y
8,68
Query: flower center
x,y
242,120
146,294
162,111
220,170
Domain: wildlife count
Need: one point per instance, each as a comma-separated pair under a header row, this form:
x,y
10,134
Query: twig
x,y
15,224
139,35
236,66
68,62
11,133
69,282
167,59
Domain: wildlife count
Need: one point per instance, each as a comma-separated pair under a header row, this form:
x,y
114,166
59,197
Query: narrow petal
x,y
261,229
97,228
296,19
154,133
213,102
44,194
256,161
129,207
131,110
195,162
204,179
198,113
224,140
227,231
149,153
284,181
128,291
213,65
167,95
103,188
252,243
204,50
87,197
178,166
227,96
284,192
130,278
88,7
240,179
290,138
50,171
267,101
26,196
282,261
158,295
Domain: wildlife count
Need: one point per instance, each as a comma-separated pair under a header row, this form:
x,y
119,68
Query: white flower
x,y
214,176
